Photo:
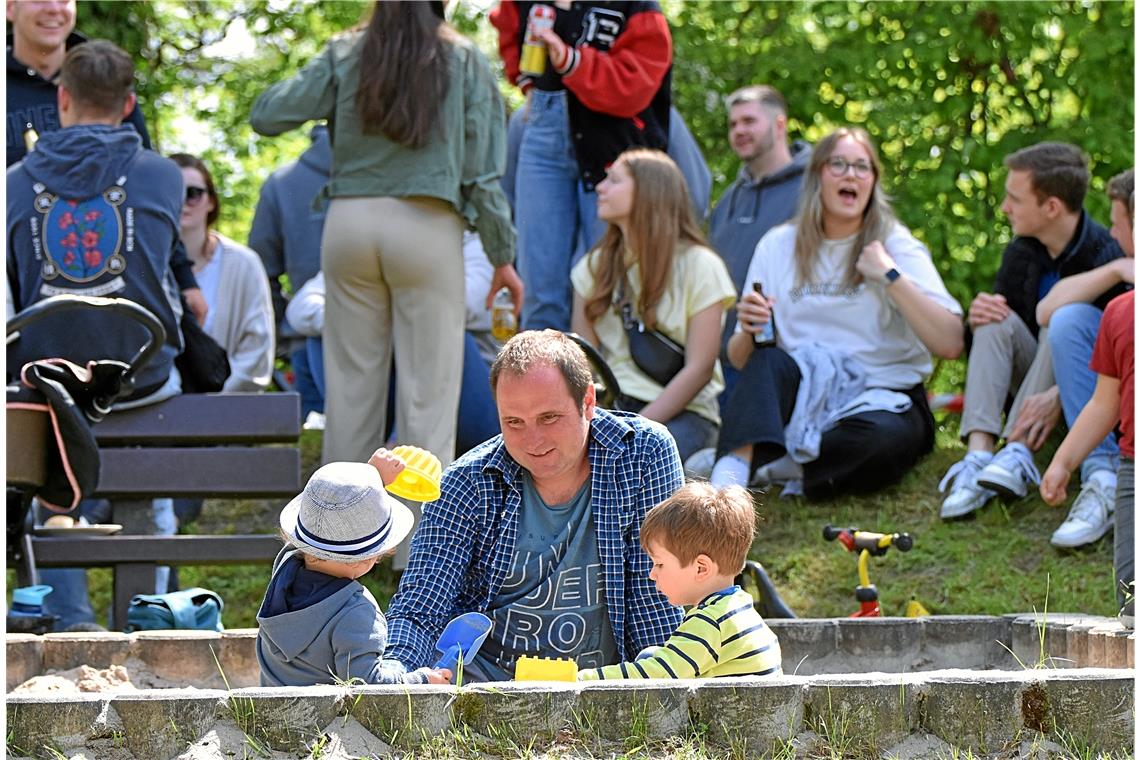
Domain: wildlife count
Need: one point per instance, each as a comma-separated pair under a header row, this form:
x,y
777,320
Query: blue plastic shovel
x,y
462,638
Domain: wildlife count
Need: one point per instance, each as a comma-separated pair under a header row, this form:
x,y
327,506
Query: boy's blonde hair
x,y
701,519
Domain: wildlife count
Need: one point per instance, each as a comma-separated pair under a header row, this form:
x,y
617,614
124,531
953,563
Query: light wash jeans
x,y
1072,334
555,214
69,599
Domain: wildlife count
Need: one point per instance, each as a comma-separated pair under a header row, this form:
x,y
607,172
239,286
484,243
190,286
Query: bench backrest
x,y
203,445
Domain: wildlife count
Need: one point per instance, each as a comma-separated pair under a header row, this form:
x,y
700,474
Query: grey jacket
x,y
338,638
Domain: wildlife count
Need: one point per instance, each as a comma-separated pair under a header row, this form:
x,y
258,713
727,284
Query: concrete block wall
x,y
855,715
809,646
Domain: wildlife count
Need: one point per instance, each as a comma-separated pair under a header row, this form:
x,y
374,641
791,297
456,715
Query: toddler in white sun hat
x,y
317,623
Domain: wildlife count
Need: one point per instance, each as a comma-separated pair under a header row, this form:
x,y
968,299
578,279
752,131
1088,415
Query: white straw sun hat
x,y
345,515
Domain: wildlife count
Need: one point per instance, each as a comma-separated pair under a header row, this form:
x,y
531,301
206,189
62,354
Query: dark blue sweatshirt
x,y
91,212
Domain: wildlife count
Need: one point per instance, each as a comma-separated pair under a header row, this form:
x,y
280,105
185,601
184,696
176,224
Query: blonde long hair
x,y
661,216
878,218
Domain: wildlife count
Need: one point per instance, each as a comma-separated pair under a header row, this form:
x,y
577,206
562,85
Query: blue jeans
x,y
1072,334
315,361
312,396
69,599
555,214
478,415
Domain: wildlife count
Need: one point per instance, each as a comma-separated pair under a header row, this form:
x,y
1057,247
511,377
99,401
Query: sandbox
x,y
925,687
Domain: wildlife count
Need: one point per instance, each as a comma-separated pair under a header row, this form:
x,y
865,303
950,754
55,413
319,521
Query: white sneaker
x,y
966,495
1010,472
1089,519
315,421
699,465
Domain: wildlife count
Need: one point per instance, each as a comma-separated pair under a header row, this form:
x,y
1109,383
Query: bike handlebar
x,y
876,544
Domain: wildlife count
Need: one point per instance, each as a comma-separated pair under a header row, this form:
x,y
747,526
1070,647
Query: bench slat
x,y
206,419
107,551
208,473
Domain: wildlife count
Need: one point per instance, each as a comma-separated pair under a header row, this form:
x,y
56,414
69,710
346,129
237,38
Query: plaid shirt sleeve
x,y
441,554
652,619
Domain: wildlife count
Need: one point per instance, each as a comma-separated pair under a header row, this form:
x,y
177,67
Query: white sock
x,y
730,470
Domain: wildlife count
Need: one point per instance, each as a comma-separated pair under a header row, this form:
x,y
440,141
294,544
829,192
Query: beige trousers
x,y
394,285
1005,358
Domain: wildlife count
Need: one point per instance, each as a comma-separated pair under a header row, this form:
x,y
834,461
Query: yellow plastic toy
x,y
419,480
545,669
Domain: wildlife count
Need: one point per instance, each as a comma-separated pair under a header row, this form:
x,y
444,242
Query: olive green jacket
x,y
461,164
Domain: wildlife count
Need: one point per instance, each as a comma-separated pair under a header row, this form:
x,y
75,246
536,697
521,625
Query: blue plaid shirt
x,y
463,547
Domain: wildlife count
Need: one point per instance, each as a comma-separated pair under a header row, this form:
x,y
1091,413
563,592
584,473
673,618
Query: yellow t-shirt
x,y
699,279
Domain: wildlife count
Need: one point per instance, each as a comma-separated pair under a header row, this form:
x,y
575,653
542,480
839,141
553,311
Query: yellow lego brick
x,y
545,669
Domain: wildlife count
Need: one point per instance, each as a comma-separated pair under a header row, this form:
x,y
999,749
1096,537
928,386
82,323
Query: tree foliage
x,y
947,89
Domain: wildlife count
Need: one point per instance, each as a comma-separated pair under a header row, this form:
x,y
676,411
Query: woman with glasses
x,y
233,281
837,405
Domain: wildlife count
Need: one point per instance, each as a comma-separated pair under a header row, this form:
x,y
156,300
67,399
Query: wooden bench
x,y
196,445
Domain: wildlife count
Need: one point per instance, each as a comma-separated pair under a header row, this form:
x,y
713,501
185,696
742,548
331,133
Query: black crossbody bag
x,y
655,353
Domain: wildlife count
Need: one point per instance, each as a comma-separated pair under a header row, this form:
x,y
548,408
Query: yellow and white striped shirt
x,y
722,635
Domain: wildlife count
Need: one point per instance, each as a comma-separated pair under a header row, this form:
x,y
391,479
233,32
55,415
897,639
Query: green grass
x,y
994,562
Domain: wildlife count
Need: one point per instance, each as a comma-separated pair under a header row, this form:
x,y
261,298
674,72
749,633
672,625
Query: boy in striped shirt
x,y
698,540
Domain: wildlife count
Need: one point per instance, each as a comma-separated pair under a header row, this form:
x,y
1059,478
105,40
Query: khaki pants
x,y
1004,358
394,284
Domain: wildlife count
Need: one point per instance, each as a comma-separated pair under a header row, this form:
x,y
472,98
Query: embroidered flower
x,y
70,240
66,220
92,257
90,239
91,216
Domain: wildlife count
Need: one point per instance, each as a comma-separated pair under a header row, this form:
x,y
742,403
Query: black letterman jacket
x,y
617,76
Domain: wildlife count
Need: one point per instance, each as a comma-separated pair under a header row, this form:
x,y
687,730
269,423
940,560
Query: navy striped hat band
x,y
356,547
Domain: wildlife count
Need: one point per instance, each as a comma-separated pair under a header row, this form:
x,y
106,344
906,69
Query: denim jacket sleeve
x,y
484,158
310,94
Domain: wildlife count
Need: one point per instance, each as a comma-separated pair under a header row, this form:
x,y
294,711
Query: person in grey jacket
x,y
764,194
317,623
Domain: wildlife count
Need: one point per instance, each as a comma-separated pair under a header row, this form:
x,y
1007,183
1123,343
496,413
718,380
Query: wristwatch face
x,y
892,275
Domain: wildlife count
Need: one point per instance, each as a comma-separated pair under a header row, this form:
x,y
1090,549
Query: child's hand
x,y
439,676
387,464
1053,484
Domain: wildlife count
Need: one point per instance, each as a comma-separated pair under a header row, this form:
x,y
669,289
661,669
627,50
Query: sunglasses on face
x,y
194,195
837,166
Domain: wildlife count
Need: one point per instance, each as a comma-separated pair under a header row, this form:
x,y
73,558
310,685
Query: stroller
x,y
754,577
52,402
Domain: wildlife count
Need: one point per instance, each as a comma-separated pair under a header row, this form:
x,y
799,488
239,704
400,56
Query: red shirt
x,y
1113,356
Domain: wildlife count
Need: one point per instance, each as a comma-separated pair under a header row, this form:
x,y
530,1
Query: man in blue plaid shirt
x,y
539,528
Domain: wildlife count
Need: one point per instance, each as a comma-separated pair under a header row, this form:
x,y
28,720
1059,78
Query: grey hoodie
x,y
749,208
91,212
333,632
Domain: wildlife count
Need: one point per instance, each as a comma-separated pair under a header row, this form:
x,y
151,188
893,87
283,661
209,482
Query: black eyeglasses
x,y
194,195
838,166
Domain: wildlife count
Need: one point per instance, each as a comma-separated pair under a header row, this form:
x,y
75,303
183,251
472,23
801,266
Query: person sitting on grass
x,y
318,624
698,540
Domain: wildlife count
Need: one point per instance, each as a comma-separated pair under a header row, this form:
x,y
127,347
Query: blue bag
x,y
193,608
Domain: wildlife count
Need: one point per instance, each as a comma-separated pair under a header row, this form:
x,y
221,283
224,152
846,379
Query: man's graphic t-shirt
x,y
552,603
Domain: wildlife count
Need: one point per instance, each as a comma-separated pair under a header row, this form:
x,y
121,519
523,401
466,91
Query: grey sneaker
x,y
699,465
1089,518
966,495
1010,472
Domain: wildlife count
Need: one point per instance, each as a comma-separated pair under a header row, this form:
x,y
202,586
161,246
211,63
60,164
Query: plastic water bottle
x,y
767,335
504,324
532,60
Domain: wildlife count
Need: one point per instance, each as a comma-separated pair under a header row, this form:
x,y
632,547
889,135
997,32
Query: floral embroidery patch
x,y
82,240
